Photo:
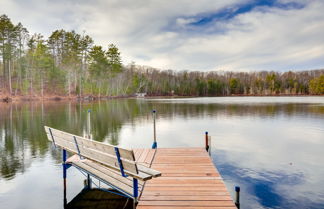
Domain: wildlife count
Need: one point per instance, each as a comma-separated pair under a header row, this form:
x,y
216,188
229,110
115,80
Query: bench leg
x,y
135,192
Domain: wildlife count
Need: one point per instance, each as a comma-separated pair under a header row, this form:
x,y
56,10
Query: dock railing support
x,y
154,145
89,181
237,196
135,192
206,141
64,155
209,145
89,124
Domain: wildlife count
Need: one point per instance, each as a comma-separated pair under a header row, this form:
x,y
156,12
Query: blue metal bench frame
x,y
66,166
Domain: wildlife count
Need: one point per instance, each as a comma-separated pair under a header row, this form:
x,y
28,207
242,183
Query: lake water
x,y
272,147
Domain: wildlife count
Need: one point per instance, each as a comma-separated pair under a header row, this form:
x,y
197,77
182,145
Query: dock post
x,y
237,196
89,124
89,137
64,177
89,181
154,145
209,145
135,192
206,141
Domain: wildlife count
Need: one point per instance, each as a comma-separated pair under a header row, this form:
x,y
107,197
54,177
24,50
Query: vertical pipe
x,y
206,141
64,165
135,192
89,181
209,145
237,196
64,178
89,124
154,130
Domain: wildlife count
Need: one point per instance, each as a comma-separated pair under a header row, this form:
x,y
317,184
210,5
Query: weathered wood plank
x,y
105,159
190,177
182,159
189,174
201,181
143,155
184,193
185,197
149,171
112,176
105,156
150,156
188,203
184,207
105,177
138,154
189,180
184,188
99,146
105,170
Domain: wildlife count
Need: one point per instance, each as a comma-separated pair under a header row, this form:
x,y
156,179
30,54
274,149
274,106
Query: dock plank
x,y
185,207
189,180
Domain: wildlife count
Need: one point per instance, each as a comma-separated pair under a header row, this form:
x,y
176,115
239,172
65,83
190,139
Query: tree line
x,y
65,63
70,64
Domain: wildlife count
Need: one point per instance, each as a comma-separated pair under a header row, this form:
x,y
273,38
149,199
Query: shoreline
x,y
88,98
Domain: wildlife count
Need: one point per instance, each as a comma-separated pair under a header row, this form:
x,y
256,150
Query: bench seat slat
x,y
104,176
106,148
149,171
111,159
113,173
106,160
93,150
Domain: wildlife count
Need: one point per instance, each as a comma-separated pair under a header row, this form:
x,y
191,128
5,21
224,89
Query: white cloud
x,y
159,34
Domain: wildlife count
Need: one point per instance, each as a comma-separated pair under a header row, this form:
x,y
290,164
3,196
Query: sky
x,y
204,35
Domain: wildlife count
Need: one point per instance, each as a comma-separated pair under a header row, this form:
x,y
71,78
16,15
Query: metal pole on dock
x,y
135,192
89,124
64,177
89,181
206,141
209,145
237,197
154,146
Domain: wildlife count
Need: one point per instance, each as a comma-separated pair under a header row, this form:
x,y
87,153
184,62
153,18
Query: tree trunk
x,y
99,89
69,84
80,86
9,77
75,80
31,82
4,60
42,85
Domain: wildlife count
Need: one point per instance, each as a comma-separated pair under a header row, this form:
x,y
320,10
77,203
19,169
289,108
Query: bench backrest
x,y
99,152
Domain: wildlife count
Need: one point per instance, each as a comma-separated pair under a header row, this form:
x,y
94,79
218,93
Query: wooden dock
x,y
161,178
189,180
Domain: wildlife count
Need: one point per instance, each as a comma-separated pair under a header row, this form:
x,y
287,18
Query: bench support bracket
x,y
77,147
120,162
50,130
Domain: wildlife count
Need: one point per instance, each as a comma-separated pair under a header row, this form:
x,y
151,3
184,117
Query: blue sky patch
x,y
235,10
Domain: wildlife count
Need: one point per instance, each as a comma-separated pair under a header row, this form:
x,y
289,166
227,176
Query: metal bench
x,y
112,165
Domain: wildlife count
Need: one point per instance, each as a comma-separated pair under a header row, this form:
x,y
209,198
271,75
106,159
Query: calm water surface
x,y
273,147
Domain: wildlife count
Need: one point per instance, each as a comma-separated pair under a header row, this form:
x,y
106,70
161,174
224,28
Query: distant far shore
x,y
5,98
